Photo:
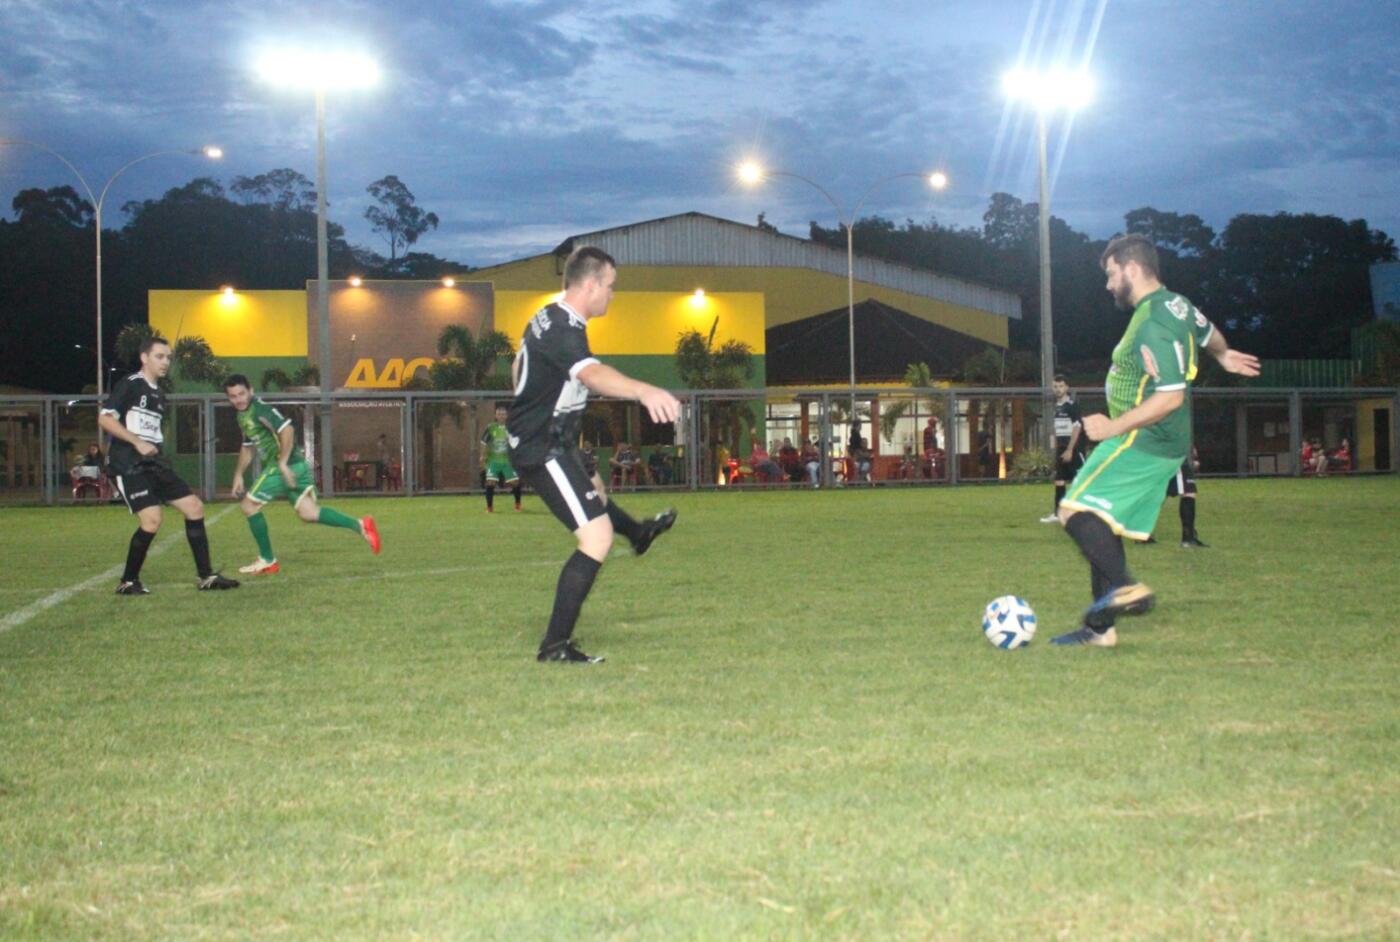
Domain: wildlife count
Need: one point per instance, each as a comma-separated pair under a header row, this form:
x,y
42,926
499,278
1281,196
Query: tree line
x,y
1284,285
259,232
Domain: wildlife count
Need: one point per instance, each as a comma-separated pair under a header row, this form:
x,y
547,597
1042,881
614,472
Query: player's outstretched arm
x,y
1234,361
606,381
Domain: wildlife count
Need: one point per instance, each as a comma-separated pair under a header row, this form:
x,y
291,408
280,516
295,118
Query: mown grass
x,y
799,732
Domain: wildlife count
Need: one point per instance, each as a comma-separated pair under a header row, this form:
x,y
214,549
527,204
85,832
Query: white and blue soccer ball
x,y
1008,622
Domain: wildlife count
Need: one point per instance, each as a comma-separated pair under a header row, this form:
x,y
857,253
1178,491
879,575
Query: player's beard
x,y
1123,297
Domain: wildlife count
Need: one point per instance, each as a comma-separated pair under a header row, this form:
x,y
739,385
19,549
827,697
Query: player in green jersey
x,y
1145,436
269,434
495,460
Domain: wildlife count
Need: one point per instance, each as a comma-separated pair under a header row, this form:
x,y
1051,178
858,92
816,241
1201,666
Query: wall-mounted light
x,y
449,282
355,281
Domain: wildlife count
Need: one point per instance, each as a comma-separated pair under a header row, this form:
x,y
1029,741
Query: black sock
x,y
622,523
199,545
136,554
490,496
1099,585
1188,518
515,492
1059,496
1101,548
574,583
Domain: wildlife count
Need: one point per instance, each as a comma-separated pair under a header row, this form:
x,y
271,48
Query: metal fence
x,y
430,442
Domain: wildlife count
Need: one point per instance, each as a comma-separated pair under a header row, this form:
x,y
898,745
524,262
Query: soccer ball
x,y
1008,622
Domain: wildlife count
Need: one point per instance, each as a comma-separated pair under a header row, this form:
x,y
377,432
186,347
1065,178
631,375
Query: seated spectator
x,y
91,465
908,465
624,463
861,456
1314,457
761,462
661,466
722,462
811,458
933,463
1340,460
790,460
590,460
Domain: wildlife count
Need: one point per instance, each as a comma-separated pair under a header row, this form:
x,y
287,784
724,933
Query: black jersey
x,y
140,407
547,414
1067,416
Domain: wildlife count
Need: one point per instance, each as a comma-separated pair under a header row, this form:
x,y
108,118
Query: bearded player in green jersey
x,y
269,434
1144,438
495,460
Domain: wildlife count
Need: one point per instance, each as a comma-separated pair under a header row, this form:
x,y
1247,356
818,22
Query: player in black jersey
x,y
1070,443
132,415
553,373
1183,485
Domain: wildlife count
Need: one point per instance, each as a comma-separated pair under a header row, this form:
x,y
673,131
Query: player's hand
x,y
145,449
288,476
1245,364
1067,455
661,405
1098,427
238,487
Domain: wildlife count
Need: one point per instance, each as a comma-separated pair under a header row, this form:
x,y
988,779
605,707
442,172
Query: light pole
x,y
752,173
213,153
1047,92
319,72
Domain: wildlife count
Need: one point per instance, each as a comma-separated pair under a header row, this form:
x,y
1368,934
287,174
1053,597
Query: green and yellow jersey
x,y
1159,352
260,424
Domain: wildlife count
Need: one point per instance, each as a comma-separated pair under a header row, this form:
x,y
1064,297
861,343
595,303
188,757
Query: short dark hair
x,y
151,341
237,379
503,405
1060,378
1133,247
585,262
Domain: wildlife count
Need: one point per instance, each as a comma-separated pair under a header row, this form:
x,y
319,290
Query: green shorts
x,y
269,485
500,471
1123,485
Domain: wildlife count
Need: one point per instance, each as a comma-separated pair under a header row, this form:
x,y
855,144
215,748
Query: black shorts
x,y
1066,470
566,489
1183,482
150,485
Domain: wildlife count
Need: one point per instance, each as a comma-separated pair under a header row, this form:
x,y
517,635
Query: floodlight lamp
x,y
938,180
212,152
1049,91
318,70
227,290
750,173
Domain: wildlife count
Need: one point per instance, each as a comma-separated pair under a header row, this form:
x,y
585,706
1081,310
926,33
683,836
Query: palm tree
x,y
468,362
277,378
702,366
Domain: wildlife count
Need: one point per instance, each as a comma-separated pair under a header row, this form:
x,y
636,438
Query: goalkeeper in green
x,y
495,461
269,434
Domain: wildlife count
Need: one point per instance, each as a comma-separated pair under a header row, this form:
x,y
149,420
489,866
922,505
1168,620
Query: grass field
x,y
800,732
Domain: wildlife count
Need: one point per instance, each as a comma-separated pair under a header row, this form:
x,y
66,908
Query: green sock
x,y
334,518
258,524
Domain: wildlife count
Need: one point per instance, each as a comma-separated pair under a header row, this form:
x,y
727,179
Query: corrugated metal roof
x,y
698,239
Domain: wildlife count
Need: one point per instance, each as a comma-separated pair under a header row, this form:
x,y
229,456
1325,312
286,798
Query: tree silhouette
x,y
398,218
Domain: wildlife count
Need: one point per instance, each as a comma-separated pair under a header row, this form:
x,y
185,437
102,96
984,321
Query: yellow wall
x,y
1364,448
789,293
244,324
642,323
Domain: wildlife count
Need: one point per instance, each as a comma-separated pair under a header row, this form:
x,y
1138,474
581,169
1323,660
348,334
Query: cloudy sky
x,y
520,123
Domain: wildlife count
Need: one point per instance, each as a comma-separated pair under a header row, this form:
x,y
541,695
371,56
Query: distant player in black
x,y
1070,444
132,415
554,372
1183,485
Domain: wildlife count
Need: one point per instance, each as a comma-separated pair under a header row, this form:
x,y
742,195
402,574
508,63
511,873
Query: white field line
x,y
20,616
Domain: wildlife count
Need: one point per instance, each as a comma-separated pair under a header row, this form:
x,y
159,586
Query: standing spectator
x,y
661,466
930,435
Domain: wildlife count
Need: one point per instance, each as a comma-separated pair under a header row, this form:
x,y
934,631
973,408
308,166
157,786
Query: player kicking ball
x,y
495,461
269,434
554,371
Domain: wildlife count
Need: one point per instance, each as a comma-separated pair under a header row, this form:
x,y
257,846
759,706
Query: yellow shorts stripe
x,y
1107,461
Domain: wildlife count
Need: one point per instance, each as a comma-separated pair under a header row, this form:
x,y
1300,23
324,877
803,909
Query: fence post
x,y
1295,431
409,471
1242,438
694,458
48,444
1395,434
951,454
207,448
824,430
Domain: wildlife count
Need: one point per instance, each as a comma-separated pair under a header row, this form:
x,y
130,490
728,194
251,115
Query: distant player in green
x,y
495,460
270,435
1145,436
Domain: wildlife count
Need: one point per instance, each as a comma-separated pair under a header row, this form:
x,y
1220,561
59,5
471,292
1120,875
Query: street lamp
x,y
752,173
213,153
1047,92
319,72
